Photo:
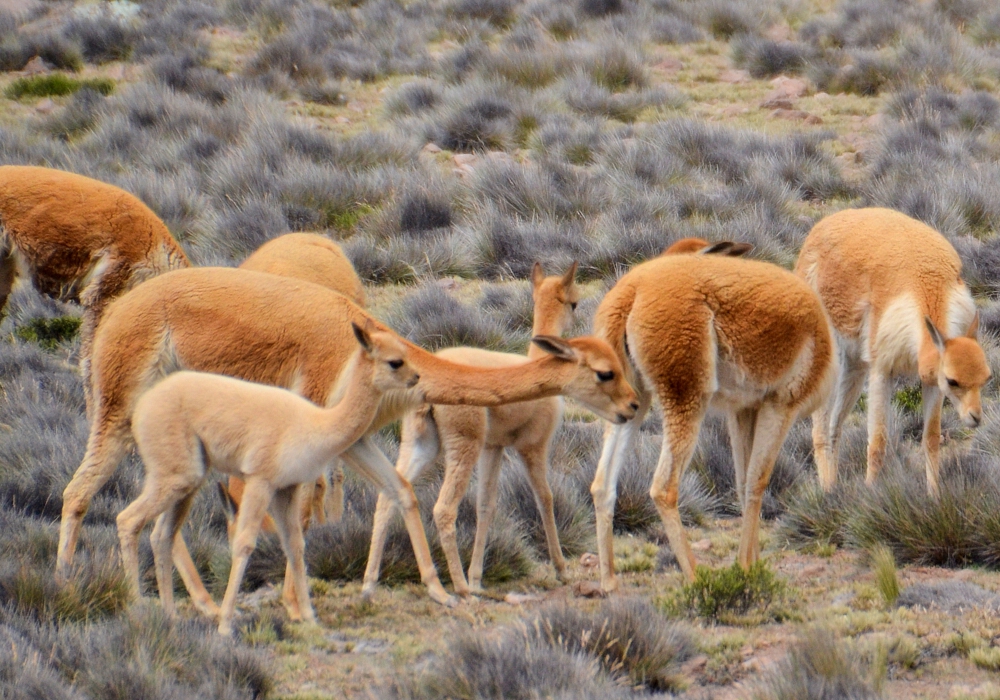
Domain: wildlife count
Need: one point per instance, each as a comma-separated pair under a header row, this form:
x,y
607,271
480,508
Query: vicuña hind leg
x,y
257,496
536,460
334,503
828,420
488,489
461,453
165,531
680,437
8,269
286,507
772,426
740,425
417,451
878,403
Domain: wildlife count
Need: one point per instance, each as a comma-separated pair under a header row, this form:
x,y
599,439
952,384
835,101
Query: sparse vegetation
x,y
57,85
730,593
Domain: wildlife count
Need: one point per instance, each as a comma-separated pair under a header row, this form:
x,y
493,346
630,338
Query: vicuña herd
x,y
271,372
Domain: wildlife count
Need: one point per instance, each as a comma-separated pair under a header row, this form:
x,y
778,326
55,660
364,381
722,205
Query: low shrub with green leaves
x,y
56,85
50,332
732,594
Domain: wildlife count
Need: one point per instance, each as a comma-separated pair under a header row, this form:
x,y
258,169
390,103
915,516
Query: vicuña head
x,y
688,246
555,298
962,370
388,355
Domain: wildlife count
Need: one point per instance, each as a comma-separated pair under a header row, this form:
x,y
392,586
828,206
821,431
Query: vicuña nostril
x,y
634,405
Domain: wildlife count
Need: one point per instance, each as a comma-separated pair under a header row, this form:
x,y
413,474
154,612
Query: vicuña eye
x,y
605,376
952,383
395,364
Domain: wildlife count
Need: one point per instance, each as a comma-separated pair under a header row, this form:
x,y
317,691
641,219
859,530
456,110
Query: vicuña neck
x,y
449,383
356,401
550,319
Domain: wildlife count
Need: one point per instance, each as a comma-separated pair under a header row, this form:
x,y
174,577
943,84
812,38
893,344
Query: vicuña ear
x,y
364,339
228,503
973,330
935,334
557,347
569,278
537,274
720,248
738,250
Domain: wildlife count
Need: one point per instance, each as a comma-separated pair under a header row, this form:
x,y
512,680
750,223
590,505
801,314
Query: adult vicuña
x,y
709,331
468,434
275,440
893,289
312,258
79,240
297,335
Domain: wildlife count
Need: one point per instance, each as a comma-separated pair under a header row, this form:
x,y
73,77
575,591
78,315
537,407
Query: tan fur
x,y
272,330
879,275
706,331
312,258
275,440
78,239
469,434
309,257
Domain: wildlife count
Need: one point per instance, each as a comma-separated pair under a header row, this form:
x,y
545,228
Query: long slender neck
x,y
550,319
449,383
357,400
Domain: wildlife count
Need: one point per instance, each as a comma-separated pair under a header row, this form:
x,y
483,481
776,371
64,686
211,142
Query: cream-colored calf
x,y
273,439
893,290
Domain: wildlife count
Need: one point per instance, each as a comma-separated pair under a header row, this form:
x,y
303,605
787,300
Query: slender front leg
x,y
932,399
368,460
878,403
772,426
461,454
257,496
287,507
488,489
417,451
740,425
604,489
537,462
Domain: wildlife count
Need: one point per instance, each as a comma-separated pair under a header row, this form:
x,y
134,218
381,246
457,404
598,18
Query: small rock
x,y
36,66
588,589
45,106
432,148
822,96
702,545
589,560
949,596
731,75
521,598
776,100
342,120
694,665
790,87
465,159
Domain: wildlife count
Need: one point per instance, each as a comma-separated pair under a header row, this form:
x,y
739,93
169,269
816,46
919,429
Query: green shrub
x,y
56,85
726,595
50,332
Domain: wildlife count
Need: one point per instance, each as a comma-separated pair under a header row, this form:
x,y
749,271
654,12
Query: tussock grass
x,y
886,580
731,594
56,85
50,332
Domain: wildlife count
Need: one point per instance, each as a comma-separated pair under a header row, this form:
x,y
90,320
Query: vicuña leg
x,y
740,425
878,403
334,503
933,400
828,420
680,437
487,491
772,426
162,539
287,509
417,451
8,270
536,460
604,489
367,459
257,495
460,454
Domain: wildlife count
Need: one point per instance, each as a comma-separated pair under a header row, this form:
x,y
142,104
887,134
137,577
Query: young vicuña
x,y
297,335
893,290
273,439
80,240
710,331
468,434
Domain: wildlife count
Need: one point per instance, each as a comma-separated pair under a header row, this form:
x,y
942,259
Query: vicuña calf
x,y
700,332
468,434
270,437
297,335
893,289
80,240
